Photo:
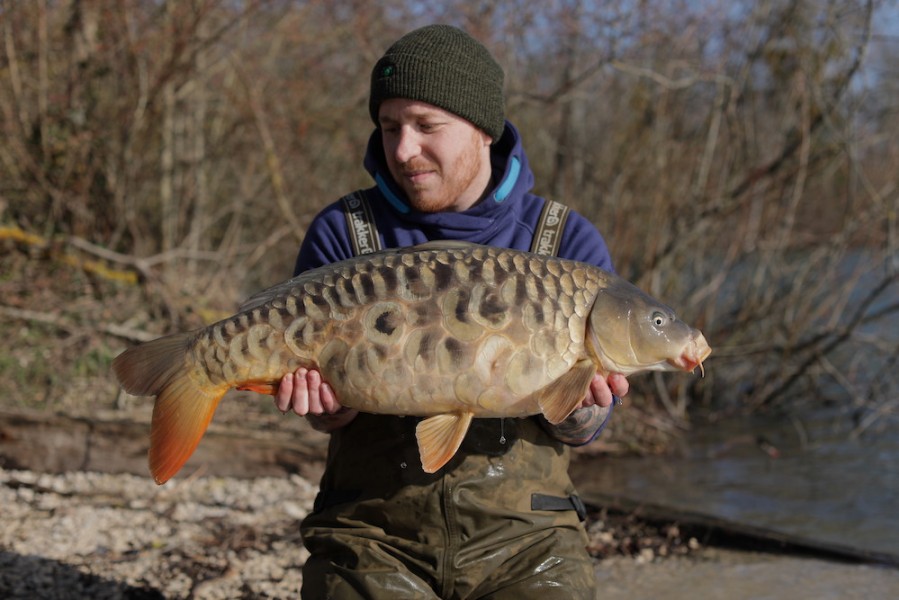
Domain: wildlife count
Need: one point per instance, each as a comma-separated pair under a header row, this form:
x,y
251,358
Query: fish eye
x,y
659,319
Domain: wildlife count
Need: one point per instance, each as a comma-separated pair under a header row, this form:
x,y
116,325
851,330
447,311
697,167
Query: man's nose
x,y
408,146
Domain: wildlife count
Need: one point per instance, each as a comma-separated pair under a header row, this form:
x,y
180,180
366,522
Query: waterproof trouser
x,y
500,520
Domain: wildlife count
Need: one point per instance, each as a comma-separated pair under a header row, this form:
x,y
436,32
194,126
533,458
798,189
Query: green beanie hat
x,y
446,67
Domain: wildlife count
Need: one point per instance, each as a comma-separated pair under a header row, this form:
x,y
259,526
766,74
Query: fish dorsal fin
x,y
269,294
280,289
559,399
443,245
439,437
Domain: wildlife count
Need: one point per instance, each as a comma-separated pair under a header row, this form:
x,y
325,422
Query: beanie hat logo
x,y
388,70
443,66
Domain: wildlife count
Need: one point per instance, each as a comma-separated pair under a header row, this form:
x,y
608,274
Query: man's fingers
x,y
305,393
329,400
285,390
618,384
300,398
602,395
313,387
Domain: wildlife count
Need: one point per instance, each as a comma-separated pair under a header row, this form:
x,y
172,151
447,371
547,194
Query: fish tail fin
x,y
185,399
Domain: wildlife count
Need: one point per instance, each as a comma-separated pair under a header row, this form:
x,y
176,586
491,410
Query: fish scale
x,y
447,331
468,319
344,307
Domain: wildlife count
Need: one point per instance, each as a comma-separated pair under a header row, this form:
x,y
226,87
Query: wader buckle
x,y
572,502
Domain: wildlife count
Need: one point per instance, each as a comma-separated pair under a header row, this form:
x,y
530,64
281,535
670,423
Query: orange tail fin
x,y
185,399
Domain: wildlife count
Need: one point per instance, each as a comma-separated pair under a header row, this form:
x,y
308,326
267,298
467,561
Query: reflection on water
x,y
806,477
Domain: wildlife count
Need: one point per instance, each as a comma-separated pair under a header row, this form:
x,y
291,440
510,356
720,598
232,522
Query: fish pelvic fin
x,y
185,399
439,437
561,397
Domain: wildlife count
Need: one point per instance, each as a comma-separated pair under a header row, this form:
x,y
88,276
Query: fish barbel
x,y
446,330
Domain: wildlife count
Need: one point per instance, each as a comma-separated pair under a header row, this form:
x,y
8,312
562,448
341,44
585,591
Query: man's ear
x,y
486,139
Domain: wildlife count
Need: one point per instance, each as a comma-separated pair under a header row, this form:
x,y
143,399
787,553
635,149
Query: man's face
x,y
440,160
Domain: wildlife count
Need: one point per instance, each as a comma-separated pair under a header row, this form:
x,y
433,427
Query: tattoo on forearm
x,y
580,425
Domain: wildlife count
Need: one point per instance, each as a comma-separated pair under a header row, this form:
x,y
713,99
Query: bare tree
x,y
736,156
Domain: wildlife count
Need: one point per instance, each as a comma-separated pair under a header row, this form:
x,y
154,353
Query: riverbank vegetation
x,y
160,161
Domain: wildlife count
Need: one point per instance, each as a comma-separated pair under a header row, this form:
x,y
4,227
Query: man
x,y
501,519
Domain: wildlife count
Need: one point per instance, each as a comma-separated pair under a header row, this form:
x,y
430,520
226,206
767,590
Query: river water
x,y
825,473
805,476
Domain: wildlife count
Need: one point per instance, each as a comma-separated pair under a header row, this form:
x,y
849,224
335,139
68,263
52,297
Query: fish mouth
x,y
697,351
688,362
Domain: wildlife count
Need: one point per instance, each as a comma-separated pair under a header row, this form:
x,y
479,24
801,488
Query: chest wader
x,y
500,520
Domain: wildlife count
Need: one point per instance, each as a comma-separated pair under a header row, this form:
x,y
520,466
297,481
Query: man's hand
x,y
601,390
305,393
582,425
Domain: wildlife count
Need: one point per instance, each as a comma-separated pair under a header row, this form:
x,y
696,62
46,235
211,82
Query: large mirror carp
x,y
446,330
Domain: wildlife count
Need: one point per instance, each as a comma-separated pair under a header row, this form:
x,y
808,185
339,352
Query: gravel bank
x,y
93,535
118,536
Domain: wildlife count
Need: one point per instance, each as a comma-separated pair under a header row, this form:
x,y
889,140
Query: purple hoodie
x,y
507,218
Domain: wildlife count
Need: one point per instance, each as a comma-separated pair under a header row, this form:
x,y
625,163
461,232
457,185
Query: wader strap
x,y
360,222
548,236
572,502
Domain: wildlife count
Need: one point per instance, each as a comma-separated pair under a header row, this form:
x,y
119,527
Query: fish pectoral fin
x,y
559,399
439,437
269,388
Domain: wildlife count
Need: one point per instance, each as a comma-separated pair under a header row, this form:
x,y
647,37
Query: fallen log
x,y
58,443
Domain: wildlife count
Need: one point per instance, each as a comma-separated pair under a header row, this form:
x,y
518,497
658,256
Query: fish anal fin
x,y
559,399
439,437
269,388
